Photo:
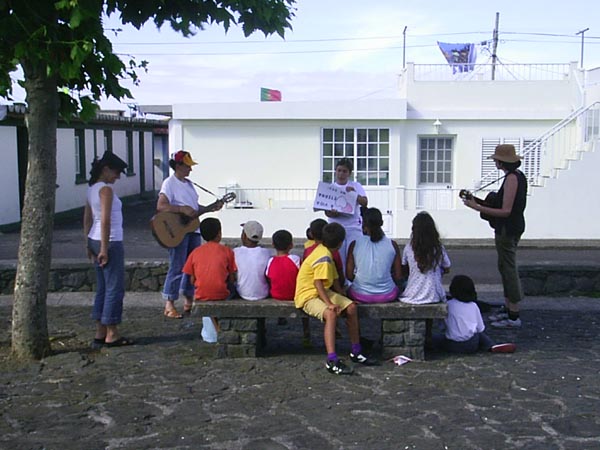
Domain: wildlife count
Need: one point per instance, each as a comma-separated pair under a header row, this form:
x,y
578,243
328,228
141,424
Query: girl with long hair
x,y
425,259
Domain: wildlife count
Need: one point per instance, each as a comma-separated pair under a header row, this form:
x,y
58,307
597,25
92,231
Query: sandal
x,y
121,342
97,344
172,314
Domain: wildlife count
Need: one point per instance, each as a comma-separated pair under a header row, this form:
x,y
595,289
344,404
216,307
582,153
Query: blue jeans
x,y
176,281
110,284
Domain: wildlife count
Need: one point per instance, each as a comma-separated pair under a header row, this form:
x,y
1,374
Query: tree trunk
x,y
29,321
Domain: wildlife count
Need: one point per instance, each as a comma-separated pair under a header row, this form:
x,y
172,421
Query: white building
x,y
139,142
411,153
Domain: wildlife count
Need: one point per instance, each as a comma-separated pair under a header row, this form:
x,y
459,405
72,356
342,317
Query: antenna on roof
x,y
495,45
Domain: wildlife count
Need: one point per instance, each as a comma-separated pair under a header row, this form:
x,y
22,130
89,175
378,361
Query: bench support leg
x,y
240,338
403,337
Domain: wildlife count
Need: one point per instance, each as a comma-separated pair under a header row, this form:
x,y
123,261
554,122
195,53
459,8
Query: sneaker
x,y
507,323
338,368
362,359
509,347
500,315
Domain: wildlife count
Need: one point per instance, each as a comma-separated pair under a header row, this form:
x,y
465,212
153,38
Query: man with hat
x,y
177,195
509,224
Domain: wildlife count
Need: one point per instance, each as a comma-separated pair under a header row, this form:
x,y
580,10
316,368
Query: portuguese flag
x,y
269,95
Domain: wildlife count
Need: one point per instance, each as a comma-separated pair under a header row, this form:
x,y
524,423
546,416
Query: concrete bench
x,y
242,324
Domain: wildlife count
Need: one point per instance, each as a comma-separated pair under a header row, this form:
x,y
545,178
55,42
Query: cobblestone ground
x,y
164,394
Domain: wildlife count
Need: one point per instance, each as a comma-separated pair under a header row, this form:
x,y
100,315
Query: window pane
x,y
384,178
361,164
327,150
449,143
372,163
361,177
373,178
430,178
361,135
440,155
327,177
339,149
384,164
350,135
349,149
373,135
423,166
327,135
384,150
362,150
384,135
339,135
440,166
327,164
423,144
372,149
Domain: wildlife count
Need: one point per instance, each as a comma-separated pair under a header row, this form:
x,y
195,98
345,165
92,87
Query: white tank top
x,y
116,213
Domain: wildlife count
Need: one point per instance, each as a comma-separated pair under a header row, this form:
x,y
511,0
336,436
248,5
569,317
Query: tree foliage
x,y
68,65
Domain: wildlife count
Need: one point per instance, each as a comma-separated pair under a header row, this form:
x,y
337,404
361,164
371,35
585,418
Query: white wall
x,y
9,181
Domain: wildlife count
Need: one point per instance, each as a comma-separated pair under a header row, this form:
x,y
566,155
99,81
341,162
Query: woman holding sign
x,y
352,223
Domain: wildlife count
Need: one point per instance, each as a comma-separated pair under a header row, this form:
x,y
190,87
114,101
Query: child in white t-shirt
x,y
251,261
464,324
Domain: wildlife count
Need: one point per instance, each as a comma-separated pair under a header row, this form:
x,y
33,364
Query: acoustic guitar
x,y
170,228
491,200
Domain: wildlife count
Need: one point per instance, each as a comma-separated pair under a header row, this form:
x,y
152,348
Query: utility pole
x,y
495,45
582,32
404,47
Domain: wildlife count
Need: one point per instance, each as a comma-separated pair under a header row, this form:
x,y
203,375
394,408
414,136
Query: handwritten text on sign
x,y
331,197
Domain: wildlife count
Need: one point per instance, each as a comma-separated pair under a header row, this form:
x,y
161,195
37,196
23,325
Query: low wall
x,y
149,276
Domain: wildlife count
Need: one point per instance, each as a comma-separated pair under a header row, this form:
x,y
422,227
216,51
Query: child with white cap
x,y
251,260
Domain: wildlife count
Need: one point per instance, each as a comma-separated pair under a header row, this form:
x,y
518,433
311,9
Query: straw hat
x,y
505,153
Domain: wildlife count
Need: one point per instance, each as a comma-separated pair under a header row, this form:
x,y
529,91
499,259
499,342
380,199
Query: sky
x,y
348,49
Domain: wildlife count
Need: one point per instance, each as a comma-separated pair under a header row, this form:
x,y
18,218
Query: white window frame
x,y
367,147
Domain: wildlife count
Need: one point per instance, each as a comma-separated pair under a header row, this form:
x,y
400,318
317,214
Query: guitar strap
x,y
490,183
203,188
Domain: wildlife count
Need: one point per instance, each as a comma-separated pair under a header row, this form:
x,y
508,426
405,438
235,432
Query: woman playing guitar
x,y
509,224
177,195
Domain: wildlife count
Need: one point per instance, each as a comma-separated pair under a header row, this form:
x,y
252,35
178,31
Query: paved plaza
x,y
165,393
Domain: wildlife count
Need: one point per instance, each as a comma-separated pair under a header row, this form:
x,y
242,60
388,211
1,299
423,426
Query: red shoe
x,y
503,348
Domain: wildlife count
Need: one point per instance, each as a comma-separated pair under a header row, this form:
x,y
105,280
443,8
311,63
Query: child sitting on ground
x,y
315,296
464,324
282,271
251,261
315,231
211,268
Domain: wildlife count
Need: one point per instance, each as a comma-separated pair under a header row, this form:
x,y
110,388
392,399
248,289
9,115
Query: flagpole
x,y
582,32
495,46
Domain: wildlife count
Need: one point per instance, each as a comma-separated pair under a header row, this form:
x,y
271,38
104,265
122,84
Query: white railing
x,y
386,199
550,152
483,72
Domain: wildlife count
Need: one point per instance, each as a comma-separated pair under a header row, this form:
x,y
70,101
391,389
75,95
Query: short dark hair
x,y
346,162
210,228
333,235
316,229
282,239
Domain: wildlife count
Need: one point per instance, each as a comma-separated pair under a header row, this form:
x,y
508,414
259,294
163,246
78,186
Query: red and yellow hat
x,y
184,157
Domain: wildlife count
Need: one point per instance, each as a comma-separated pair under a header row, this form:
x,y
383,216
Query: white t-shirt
x,y
251,280
179,193
463,321
116,213
354,220
423,287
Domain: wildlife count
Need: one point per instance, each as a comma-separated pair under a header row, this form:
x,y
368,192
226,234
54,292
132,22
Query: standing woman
x,y
374,264
177,195
508,222
103,228
351,223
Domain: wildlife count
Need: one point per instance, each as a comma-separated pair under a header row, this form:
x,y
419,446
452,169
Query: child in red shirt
x,y
282,270
211,266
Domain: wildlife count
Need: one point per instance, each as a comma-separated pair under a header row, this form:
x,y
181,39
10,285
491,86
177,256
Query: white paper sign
x,y
330,197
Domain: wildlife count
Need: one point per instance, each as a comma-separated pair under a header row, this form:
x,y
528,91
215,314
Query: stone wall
x,y
538,279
